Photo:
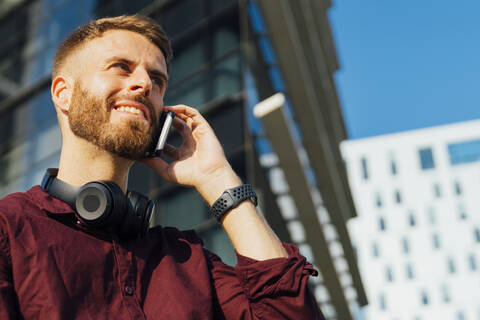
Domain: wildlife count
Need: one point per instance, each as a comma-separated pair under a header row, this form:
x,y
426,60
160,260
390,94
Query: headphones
x,y
103,204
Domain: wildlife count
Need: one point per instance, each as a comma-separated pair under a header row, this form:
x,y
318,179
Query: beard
x,y
89,119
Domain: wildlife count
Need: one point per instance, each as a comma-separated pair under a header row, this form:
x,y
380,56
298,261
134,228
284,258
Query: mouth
x,y
132,108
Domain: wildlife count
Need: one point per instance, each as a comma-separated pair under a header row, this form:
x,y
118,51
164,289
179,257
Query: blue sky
x,y
406,64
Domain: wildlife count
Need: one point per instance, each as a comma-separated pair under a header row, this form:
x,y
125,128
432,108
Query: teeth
x,y
132,110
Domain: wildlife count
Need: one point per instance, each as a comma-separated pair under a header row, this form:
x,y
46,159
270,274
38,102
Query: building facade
x,y
417,233
229,55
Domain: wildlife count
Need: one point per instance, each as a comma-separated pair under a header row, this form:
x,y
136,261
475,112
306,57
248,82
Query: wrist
x,y
220,180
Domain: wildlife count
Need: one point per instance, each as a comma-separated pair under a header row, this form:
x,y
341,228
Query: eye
x,y
158,81
122,66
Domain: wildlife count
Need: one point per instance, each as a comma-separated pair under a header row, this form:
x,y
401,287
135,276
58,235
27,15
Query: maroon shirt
x,y
52,268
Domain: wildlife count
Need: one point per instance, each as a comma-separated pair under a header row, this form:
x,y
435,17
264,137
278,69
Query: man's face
x,y
118,96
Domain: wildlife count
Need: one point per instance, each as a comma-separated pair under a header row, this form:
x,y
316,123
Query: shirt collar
x,y
48,203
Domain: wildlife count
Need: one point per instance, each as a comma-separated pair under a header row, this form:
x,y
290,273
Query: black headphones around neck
x,y
103,204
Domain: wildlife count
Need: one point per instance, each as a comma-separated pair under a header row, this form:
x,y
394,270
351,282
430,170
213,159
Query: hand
x,y
200,160
201,163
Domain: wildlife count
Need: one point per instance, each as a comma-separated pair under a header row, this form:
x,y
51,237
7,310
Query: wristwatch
x,y
231,198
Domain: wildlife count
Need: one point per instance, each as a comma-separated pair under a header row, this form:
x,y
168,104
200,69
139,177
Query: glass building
x,y
229,55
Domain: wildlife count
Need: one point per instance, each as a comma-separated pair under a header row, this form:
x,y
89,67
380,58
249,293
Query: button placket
x,y
127,280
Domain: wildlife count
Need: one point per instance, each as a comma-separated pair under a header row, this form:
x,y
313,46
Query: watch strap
x,y
231,198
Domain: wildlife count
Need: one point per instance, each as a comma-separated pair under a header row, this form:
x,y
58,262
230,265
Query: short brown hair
x,y
142,25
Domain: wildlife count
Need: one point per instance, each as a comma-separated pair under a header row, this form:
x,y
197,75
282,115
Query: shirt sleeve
x,y
271,289
8,297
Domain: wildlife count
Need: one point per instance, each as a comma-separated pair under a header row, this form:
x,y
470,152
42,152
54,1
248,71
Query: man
x,y
108,83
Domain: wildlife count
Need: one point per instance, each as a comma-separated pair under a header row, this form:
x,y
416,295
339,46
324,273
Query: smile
x,y
131,110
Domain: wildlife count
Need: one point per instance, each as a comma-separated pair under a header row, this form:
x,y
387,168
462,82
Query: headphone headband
x,y
59,189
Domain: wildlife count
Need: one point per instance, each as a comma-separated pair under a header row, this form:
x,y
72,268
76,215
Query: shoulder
x,y
14,203
10,208
16,207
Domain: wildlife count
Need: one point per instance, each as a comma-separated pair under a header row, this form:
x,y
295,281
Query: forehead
x,y
125,44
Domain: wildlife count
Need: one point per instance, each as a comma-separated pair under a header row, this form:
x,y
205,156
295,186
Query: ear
x,y
61,91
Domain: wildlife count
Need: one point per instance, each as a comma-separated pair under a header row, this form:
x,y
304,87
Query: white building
x,y
417,234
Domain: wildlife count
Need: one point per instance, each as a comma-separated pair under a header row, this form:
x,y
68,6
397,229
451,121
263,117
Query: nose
x,y
141,83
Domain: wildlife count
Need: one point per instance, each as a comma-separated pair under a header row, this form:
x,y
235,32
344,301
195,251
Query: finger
x,y
188,114
182,127
186,133
183,109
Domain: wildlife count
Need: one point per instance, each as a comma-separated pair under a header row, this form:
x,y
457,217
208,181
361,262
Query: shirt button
x,y
128,290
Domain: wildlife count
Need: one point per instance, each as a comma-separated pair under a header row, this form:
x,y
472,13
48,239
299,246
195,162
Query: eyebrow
x,y
151,72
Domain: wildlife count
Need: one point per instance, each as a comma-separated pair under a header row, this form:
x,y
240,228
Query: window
x,y
14,34
39,128
393,167
405,246
464,152
458,188
226,77
411,220
477,235
424,297
472,262
460,315
410,273
381,224
445,294
364,168
191,11
389,274
432,217
436,241
398,197
378,200
207,51
375,250
462,214
436,190
451,265
426,158
113,8
383,301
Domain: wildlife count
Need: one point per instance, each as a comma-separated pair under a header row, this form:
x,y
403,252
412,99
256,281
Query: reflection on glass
x,y
188,59
192,92
112,8
226,77
190,11
225,39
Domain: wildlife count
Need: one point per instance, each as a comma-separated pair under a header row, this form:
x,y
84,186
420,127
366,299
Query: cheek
x,y
158,105
103,86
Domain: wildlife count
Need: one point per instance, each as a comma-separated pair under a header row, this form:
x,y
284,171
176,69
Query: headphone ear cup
x,y
100,204
137,219
94,204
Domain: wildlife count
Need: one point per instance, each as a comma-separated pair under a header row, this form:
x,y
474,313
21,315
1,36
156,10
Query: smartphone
x,y
156,149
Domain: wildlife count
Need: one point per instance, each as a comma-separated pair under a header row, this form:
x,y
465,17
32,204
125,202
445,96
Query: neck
x,y
82,162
